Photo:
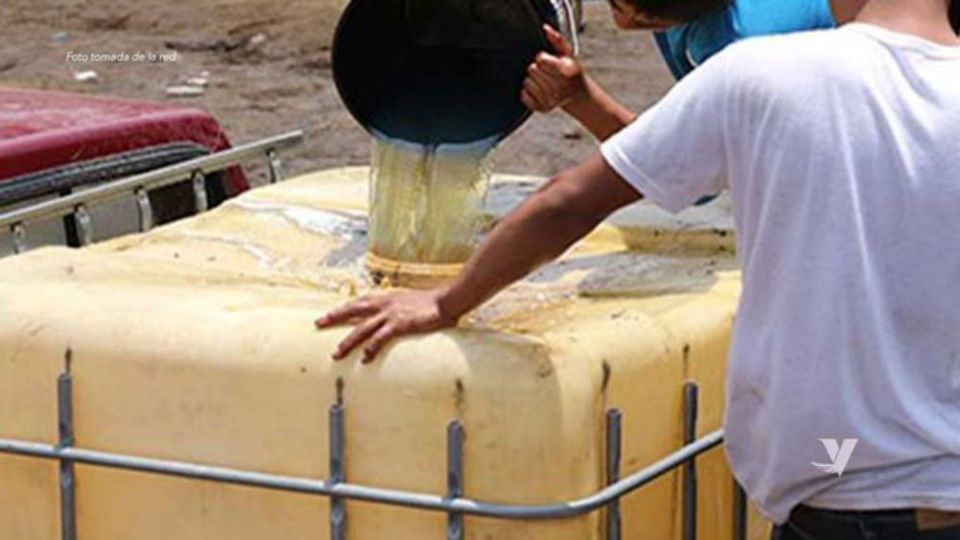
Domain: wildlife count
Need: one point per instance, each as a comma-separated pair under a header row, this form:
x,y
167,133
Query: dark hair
x,y
684,10
955,15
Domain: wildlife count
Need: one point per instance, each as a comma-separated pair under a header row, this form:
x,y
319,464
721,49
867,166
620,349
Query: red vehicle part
x,y
44,130
52,143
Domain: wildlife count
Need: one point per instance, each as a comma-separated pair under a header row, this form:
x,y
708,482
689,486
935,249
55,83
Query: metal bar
x,y
199,181
571,15
614,442
68,505
70,232
19,234
144,209
369,494
338,510
84,224
690,405
165,176
454,477
275,165
739,512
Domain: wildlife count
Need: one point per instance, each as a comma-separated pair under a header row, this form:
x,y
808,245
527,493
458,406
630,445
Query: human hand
x,y
380,319
553,80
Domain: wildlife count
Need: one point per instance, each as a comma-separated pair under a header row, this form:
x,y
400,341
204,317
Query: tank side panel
x,y
647,350
236,376
29,494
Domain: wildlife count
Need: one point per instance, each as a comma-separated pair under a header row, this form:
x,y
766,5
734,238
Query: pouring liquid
x,y
426,208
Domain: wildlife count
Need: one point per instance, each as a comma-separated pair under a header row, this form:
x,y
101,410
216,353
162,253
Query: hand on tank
x,y
553,80
380,319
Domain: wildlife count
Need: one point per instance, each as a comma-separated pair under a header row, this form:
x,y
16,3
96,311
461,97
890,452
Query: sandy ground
x,y
269,65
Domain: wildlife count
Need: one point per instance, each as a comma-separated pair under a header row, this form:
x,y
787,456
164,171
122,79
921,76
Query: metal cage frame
x,y
453,503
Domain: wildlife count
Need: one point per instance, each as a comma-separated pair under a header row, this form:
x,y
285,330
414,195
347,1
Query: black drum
x,y
441,71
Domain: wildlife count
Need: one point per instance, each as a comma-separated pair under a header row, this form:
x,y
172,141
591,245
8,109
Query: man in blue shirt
x,y
686,46
688,32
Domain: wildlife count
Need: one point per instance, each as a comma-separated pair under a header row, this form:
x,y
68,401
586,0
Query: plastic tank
x,y
195,343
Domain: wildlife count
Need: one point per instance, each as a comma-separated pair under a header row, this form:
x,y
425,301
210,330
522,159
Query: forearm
x,y
598,111
563,211
540,230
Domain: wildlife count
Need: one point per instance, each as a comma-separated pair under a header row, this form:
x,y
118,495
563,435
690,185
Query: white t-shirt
x,y
841,149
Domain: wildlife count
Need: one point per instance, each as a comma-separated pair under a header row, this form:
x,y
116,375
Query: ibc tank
x,y
195,342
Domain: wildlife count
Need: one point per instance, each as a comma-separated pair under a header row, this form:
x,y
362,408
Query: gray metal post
x,y
614,438
690,404
19,237
276,167
454,477
200,191
84,224
68,506
338,511
144,209
739,512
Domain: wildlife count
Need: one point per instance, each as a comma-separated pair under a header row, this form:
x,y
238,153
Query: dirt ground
x,y
269,65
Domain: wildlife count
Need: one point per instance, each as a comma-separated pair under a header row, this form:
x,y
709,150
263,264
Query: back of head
x,y
680,10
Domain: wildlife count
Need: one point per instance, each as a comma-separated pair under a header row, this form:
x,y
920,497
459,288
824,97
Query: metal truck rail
x,y
453,503
194,170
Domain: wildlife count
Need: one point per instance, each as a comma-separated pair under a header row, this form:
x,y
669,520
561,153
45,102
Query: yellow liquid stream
x,y
426,205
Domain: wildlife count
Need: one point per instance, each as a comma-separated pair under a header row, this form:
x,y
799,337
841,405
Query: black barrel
x,y
439,71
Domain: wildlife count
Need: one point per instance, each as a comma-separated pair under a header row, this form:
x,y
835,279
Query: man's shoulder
x,y
785,69
788,54
809,42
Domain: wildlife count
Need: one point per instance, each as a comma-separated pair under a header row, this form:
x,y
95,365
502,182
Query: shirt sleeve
x,y
675,153
709,34
670,43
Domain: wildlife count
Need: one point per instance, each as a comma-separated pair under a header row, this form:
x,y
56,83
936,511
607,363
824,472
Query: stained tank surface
x,y
195,342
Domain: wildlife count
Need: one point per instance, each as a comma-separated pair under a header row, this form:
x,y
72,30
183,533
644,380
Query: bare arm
x,y
559,81
565,210
598,111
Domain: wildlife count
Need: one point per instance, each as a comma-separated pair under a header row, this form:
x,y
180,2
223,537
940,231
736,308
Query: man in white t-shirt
x,y
841,149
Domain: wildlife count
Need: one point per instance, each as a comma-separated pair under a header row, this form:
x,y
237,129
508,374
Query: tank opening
x,y
426,209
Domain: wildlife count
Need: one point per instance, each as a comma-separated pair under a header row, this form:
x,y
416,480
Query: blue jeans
x,y
814,524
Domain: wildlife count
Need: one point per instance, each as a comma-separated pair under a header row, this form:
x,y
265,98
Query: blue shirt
x,y
686,46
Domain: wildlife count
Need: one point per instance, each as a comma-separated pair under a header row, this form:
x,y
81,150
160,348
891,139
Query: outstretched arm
x,y
558,80
541,229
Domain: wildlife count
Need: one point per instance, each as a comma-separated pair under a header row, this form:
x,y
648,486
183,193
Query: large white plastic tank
x,y
195,342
